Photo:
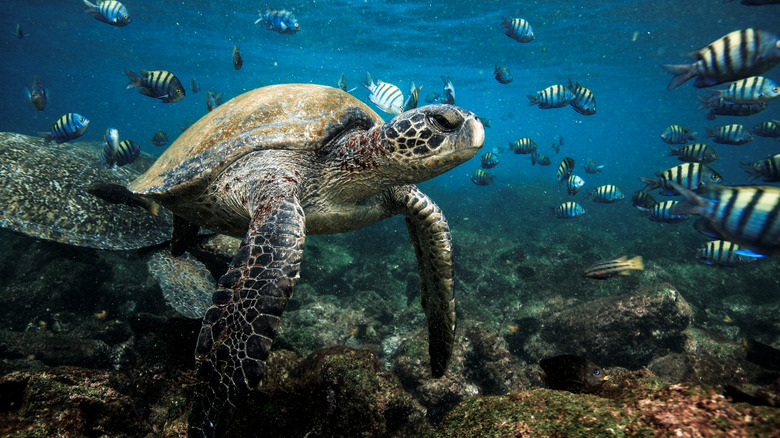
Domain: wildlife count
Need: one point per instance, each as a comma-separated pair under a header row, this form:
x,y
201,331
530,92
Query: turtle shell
x,y
303,117
43,194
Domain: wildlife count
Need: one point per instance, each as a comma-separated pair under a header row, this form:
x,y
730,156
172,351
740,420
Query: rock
x,y
627,330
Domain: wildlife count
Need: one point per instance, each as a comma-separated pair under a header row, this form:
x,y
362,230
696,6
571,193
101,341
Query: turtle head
x,y
431,140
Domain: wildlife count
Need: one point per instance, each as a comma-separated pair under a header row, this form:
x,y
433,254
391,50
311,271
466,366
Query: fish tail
x,y
754,171
681,72
369,82
533,99
636,263
154,209
652,183
674,151
710,132
705,102
135,80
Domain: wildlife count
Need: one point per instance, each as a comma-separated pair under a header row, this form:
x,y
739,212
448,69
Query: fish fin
x,y
636,262
533,99
624,273
704,226
682,73
673,151
710,132
704,82
749,253
89,7
259,20
692,204
150,93
619,259
135,80
652,183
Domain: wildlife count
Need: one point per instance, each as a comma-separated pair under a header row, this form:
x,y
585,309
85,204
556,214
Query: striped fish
x,y
108,11
565,169
755,89
160,84
606,194
518,29
568,210
738,55
722,253
694,153
540,159
482,178
724,108
67,127
768,168
386,96
643,199
502,74
573,184
661,212
584,102
768,129
117,153
591,166
676,134
692,176
748,215
610,268
554,96
488,160
735,134
160,138
525,145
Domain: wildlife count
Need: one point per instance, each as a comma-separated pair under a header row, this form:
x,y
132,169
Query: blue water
x,y
612,47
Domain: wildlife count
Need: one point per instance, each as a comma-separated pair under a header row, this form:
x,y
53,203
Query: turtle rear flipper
x,y
243,319
429,233
118,194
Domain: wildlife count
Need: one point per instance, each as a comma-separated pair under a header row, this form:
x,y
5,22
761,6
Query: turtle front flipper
x,y
430,235
243,319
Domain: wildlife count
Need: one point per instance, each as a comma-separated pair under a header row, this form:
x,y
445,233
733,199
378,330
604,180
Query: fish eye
x,y
446,121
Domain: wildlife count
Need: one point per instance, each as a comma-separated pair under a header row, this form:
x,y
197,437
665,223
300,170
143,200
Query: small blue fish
x,y
279,20
482,178
67,127
108,11
518,29
432,97
568,210
592,166
502,74
555,96
488,160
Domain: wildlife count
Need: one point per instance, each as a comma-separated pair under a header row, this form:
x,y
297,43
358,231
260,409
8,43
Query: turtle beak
x,y
474,129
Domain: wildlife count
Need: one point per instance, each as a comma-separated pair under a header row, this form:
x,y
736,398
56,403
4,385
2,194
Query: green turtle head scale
x,y
431,140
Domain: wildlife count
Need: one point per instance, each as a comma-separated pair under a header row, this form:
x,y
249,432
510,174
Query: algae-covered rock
x,y
675,410
336,391
627,330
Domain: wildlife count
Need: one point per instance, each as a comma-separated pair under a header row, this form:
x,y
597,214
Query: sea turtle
x,y
43,193
283,161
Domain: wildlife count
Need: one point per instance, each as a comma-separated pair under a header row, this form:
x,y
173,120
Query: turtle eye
x,y
596,372
447,121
